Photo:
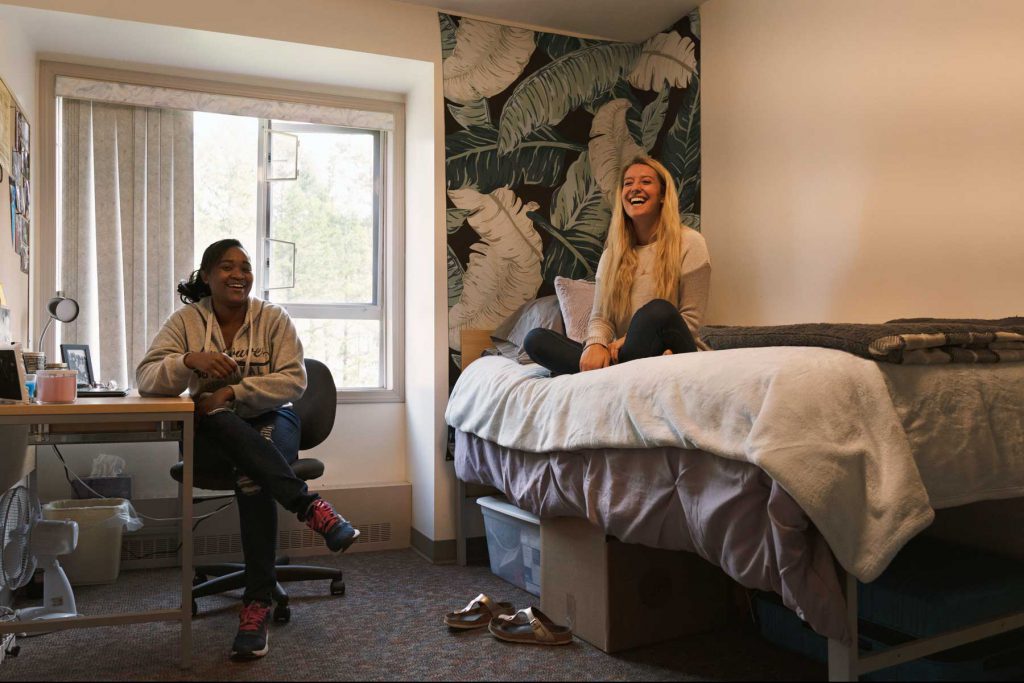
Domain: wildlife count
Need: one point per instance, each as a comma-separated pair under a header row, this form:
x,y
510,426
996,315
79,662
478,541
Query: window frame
x,y
375,309
390,191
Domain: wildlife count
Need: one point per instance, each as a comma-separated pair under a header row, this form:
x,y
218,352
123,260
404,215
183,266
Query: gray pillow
x,y
509,335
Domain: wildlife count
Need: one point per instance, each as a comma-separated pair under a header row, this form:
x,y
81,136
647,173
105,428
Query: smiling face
x,y
230,278
642,192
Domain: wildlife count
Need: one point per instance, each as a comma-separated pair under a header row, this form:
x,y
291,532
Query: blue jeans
x,y
262,449
654,328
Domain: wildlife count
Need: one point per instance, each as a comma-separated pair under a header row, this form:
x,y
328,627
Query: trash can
x,y
101,521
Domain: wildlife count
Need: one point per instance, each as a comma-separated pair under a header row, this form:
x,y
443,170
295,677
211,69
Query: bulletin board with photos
x,y
15,166
7,108
15,184
20,189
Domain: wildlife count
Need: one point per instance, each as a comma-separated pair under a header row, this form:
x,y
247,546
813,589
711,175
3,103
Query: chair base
x,y
231,576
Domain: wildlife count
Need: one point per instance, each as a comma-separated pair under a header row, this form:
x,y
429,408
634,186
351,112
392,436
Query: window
x,y
310,184
316,235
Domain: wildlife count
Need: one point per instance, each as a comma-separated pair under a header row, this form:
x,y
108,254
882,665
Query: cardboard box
x,y
618,595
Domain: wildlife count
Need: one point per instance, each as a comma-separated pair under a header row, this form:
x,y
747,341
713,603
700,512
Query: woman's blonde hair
x,y
621,242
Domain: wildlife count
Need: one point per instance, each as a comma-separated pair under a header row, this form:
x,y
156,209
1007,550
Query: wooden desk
x,y
105,420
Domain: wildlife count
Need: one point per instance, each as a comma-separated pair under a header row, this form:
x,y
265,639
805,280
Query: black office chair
x,y
316,409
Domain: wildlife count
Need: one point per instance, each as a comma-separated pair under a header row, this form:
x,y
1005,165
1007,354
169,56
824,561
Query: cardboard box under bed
x,y
618,595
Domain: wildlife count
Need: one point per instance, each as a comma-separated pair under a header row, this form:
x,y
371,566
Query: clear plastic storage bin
x,y
513,543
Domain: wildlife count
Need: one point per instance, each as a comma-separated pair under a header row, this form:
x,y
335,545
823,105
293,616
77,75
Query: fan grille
x,y
18,509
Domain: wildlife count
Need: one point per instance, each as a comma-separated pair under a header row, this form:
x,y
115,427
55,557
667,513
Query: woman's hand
x,y
614,347
595,357
213,363
207,403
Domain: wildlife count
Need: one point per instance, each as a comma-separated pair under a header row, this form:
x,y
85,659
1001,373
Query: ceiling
x,y
611,19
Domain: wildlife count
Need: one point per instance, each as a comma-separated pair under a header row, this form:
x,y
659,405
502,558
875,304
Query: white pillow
x,y
576,299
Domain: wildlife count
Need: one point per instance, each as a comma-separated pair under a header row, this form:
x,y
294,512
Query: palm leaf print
x,y
487,58
447,35
578,225
455,275
455,219
555,45
474,161
695,23
475,113
611,146
652,120
552,91
667,58
504,268
681,150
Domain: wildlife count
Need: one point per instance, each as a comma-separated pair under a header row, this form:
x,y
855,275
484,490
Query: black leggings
x,y
655,328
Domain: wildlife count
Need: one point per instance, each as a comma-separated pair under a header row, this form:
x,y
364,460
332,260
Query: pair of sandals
x,y
505,622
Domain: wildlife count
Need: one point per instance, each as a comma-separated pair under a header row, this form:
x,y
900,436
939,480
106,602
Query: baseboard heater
x,y
382,513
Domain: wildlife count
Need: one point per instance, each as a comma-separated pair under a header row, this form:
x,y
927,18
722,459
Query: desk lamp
x,y
61,308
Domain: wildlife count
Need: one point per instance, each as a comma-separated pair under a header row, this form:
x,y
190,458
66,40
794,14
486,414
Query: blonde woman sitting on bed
x,y
652,282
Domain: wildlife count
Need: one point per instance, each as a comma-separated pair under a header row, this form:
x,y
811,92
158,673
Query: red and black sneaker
x,y
336,530
253,638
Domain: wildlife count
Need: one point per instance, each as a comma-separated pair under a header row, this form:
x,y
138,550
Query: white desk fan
x,y
30,541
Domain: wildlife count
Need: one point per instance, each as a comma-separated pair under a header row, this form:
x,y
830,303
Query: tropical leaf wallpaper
x,y
537,127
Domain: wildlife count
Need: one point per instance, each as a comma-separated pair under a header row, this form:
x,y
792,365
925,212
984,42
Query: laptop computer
x,y
100,392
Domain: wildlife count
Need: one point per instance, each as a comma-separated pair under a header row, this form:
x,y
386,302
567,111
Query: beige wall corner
x,y
861,160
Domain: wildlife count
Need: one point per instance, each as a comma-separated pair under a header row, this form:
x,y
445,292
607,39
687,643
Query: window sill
x,y
371,396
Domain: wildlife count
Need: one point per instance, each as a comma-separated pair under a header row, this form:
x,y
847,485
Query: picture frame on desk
x,y
78,359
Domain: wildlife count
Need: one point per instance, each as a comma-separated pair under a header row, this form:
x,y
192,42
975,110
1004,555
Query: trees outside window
x,y
315,240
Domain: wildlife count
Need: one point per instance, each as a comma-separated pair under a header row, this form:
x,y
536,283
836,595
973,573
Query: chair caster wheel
x,y
195,608
282,614
198,579
337,587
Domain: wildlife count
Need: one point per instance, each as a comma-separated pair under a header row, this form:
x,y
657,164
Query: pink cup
x,y
56,386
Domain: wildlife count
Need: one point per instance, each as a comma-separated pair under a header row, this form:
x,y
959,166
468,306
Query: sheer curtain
x,y
126,226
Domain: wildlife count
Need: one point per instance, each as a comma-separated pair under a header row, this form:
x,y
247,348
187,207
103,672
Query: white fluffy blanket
x,y
818,421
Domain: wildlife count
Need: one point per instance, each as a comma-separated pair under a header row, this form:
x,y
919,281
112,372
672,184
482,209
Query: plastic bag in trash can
x,y
97,512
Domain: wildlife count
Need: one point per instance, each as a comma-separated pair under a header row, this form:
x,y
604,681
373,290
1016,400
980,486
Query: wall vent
x,y
134,548
374,533
165,547
216,544
291,539
217,539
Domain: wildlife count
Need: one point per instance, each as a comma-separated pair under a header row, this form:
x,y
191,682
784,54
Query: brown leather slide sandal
x,y
478,613
531,626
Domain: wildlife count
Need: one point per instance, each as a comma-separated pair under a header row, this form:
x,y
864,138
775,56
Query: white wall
x,y
374,443
863,160
18,71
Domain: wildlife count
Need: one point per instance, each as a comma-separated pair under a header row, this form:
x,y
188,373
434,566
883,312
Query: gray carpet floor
x,y
388,626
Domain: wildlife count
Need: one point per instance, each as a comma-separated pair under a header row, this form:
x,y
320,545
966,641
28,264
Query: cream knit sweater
x,y
271,371
692,293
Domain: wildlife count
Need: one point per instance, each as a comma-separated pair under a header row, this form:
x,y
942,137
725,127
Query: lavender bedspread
x,y
730,513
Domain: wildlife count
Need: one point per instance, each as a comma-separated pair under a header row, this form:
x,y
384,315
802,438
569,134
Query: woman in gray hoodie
x,y
241,360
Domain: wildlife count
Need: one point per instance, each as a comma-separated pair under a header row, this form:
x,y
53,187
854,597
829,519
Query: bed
x,y
776,464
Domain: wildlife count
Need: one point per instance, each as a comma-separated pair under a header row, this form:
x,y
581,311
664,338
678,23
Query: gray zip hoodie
x,y
267,349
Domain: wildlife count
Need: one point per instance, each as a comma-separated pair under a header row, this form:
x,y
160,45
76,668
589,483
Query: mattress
x,y
867,451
